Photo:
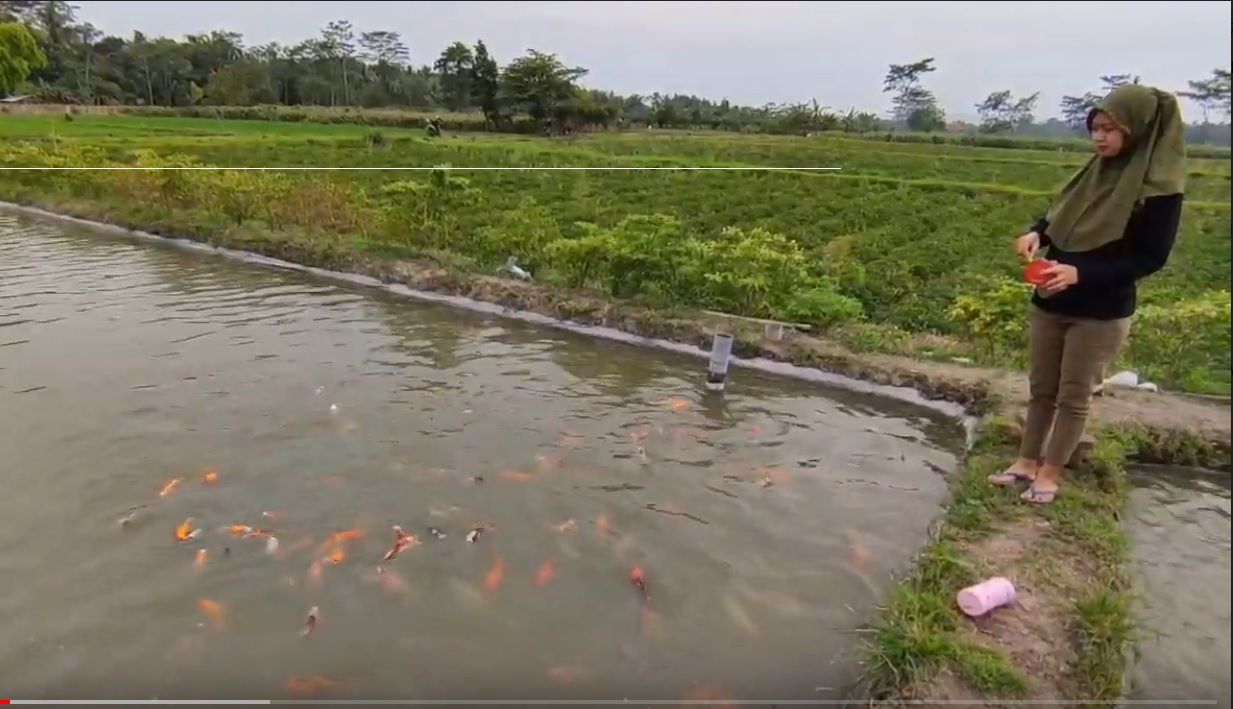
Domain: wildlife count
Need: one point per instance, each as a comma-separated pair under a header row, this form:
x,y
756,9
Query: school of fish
x,y
339,546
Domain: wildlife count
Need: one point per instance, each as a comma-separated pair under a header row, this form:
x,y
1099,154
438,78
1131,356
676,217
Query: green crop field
x,y
905,248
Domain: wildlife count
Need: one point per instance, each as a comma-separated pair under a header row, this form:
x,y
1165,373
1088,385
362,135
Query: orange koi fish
x,y
546,571
638,579
185,531
492,581
309,686
210,477
169,487
402,540
215,612
200,562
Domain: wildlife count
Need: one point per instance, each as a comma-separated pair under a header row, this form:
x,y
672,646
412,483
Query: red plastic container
x,y
1035,272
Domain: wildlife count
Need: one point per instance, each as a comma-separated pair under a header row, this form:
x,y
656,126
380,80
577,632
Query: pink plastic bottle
x,y
985,596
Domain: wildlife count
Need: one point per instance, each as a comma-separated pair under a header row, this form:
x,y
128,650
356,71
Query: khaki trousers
x,y
1067,358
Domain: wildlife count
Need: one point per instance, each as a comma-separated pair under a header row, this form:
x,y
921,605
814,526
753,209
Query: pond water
x,y
1180,539
193,394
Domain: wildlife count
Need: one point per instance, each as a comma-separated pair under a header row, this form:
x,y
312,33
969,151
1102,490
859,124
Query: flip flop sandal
x,y
1007,478
1039,497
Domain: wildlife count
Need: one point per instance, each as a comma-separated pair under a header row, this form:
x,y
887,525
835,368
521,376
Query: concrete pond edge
x,y
973,400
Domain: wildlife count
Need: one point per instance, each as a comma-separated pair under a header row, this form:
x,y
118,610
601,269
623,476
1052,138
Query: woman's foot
x,y
1041,491
1021,471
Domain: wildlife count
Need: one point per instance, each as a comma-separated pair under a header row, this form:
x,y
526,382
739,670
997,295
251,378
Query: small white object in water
x,y
473,535
320,391
333,408
271,545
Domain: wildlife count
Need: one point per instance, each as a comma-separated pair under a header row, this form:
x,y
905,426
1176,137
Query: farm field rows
x,y
909,243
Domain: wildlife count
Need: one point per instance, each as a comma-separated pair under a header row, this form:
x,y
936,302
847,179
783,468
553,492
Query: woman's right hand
x,y
1027,245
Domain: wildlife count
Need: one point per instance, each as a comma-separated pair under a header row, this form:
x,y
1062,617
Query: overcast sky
x,y
757,52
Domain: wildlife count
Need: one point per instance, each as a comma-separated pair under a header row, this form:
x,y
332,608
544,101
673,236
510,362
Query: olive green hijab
x,y
1094,206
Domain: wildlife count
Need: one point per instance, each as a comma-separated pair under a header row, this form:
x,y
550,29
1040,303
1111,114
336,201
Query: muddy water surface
x,y
763,523
1180,539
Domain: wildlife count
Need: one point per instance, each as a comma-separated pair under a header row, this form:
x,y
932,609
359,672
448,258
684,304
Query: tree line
x,y
46,50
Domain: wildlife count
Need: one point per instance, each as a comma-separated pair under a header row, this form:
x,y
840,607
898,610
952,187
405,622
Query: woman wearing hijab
x,y
1113,224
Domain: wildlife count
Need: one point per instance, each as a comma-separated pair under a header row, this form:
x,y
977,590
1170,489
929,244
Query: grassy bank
x,y
900,263
1073,630
904,251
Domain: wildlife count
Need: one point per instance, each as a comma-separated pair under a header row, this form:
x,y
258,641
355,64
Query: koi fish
x,y
492,580
310,623
308,686
185,531
679,405
860,554
516,477
338,538
638,579
391,582
271,545
210,477
477,530
169,487
131,517
402,540
545,573
239,530
215,612
601,525
568,525
200,562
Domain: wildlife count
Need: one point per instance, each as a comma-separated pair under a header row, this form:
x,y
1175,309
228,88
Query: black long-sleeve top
x,y
1108,274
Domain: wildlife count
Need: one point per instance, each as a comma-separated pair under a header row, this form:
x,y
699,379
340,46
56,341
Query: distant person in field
x,y
1113,224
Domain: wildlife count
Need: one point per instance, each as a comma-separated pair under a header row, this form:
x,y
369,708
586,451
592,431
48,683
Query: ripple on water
x,y
764,521
1180,539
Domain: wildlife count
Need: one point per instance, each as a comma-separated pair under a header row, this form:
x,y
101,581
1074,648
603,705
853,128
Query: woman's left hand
x,y
1061,276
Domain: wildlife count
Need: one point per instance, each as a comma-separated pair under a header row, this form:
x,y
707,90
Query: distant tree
x,y
927,118
904,81
1001,112
454,66
1210,94
537,83
1075,109
486,82
1113,81
20,56
337,44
